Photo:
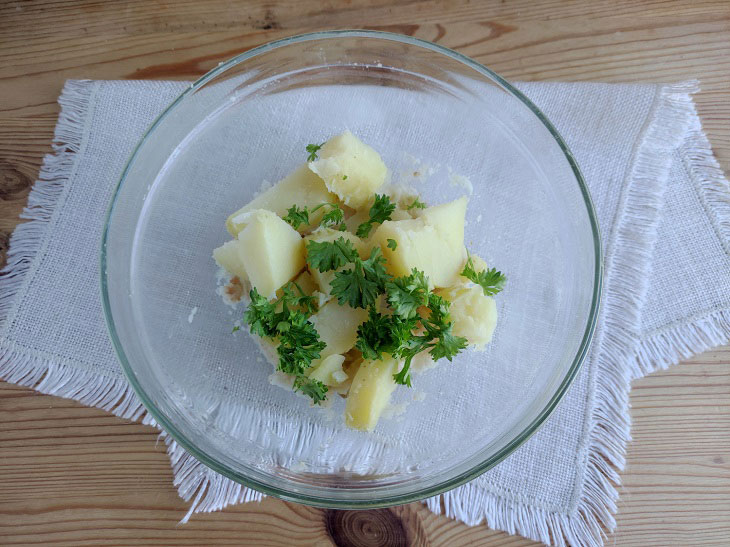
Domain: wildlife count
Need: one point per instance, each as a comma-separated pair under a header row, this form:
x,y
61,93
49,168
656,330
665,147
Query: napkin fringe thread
x,y
33,369
684,340
609,423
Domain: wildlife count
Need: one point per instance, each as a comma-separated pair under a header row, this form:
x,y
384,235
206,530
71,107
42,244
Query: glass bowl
x,y
441,122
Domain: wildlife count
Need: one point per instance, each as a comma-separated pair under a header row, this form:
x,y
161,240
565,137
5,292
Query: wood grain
x,y
78,476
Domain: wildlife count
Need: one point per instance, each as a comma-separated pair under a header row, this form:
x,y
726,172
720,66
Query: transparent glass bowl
x,y
433,114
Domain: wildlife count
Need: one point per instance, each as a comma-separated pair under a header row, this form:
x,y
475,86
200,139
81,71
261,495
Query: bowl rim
x,y
384,500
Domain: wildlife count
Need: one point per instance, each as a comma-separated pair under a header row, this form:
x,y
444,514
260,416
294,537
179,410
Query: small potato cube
x,y
329,370
432,243
337,326
350,168
474,314
370,392
272,252
302,187
228,256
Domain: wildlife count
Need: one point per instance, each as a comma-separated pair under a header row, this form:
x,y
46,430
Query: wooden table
x,y
76,475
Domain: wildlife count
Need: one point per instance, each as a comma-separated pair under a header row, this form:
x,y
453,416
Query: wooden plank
x,y
74,475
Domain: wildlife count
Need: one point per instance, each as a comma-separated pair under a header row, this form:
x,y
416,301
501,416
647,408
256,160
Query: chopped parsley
x,y
392,244
330,255
491,281
380,212
287,322
313,149
417,204
296,216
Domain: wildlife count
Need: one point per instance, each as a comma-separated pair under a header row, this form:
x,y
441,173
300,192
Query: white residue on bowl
x,y
461,181
191,316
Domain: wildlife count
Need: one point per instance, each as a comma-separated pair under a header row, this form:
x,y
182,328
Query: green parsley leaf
x,y
334,216
296,216
392,244
344,177
491,281
374,335
330,255
417,204
361,285
406,294
314,389
380,212
299,343
313,149
236,328
354,287
260,315
447,345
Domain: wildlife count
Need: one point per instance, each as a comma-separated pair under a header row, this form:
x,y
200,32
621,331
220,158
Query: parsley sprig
x,y
404,335
297,216
491,281
286,321
380,212
417,204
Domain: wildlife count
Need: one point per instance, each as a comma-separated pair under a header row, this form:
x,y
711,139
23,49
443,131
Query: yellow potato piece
x,y
302,187
272,252
228,256
328,370
370,393
474,314
350,168
337,326
432,243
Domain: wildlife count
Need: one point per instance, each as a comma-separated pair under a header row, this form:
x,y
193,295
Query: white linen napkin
x,y
664,209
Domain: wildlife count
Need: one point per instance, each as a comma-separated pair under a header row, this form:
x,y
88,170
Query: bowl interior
x,y
438,122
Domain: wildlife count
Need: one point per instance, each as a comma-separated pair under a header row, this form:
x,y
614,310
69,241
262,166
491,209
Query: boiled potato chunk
x,y
370,392
302,187
474,314
329,370
228,256
432,243
272,252
350,168
337,326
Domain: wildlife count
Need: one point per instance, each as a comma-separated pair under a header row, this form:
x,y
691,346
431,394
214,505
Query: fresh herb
x,y
330,255
313,149
236,328
298,341
332,217
312,388
392,244
296,216
406,294
380,212
360,285
491,281
344,177
437,337
417,204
